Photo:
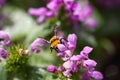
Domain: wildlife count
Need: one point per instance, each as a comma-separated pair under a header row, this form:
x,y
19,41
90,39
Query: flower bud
x,y
51,69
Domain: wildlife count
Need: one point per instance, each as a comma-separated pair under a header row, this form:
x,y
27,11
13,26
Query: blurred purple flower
x,y
34,47
54,5
97,75
4,39
37,12
51,69
73,10
3,53
90,23
67,73
42,13
60,69
2,2
86,76
86,13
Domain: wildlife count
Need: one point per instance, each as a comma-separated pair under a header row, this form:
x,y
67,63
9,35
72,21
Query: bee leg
x,y
51,49
1,39
56,49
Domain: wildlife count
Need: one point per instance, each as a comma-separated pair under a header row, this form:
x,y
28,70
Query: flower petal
x,y
87,49
41,19
34,47
51,69
5,40
67,73
75,58
72,38
89,64
37,12
3,53
97,75
68,65
61,47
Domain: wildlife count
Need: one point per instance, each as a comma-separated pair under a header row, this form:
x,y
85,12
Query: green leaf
x,y
2,71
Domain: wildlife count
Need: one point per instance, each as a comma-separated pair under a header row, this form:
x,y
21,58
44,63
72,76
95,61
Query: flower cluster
x,y
4,41
71,63
74,11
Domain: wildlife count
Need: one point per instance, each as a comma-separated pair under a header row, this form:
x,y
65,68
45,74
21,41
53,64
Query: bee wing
x,y
58,32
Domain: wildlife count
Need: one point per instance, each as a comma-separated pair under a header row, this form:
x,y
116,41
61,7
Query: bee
x,y
55,39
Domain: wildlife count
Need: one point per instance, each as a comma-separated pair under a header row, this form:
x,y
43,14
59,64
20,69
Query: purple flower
x,y
40,19
54,5
67,1
37,12
67,55
61,54
90,23
89,64
86,76
69,5
3,53
72,64
51,69
84,13
73,10
86,50
77,9
60,69
61,47
34,47
42,13
50,14
76,58
72,40
68,65
75,67
67,73
97,75
4,39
